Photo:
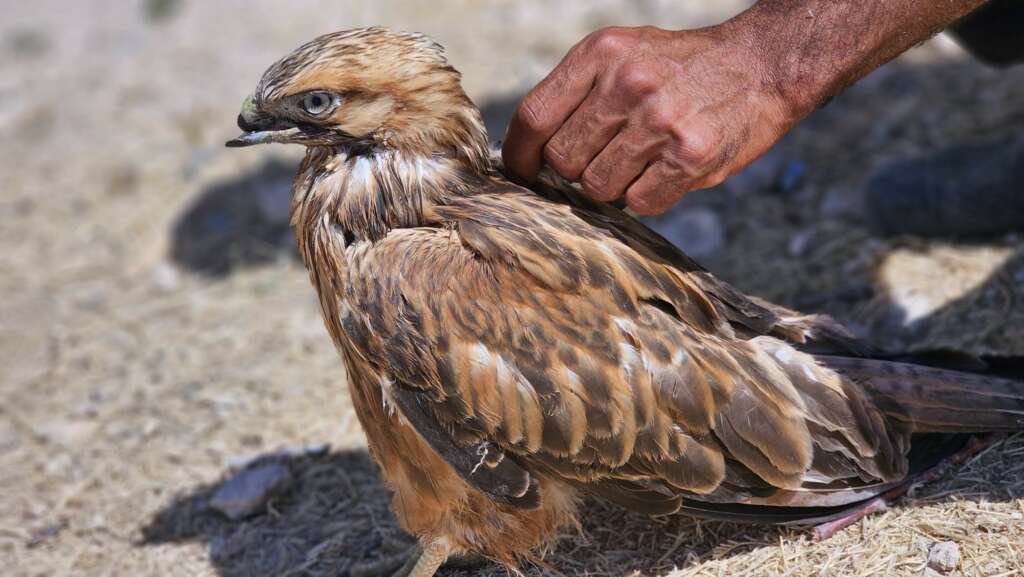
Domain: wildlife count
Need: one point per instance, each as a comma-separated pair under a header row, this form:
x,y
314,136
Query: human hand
x,y
649,114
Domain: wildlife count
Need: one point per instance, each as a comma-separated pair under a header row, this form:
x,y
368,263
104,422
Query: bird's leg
x,y
881,503
827,530
414,561
425,561
392,564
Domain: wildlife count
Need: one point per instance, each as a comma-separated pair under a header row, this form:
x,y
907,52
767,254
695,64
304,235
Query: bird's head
x,y
363,90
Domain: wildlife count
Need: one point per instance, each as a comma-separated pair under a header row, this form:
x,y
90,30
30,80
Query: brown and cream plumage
x,y
509,349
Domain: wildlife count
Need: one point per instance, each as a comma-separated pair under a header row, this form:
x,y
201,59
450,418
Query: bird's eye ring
x,y
317,102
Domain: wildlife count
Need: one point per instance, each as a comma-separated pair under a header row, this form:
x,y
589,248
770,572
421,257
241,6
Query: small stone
x,y
314,450
66,432
247,492
295,451
801,243
166,277
944,556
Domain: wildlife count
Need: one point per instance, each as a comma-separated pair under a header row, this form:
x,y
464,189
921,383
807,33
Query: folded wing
x,y
525,329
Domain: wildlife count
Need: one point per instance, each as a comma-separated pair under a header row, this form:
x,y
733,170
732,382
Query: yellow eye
x,y
317,102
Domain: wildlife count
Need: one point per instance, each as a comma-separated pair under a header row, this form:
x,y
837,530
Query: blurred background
x,y
158,336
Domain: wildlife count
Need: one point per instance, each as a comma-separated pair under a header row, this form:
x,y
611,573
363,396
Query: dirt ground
x,y
157,333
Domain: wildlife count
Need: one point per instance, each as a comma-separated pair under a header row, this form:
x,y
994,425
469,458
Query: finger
x,y
543,110
694,159
590,128
658,188
611,172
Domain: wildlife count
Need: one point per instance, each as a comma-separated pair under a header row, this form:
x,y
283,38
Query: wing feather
x,y
585,351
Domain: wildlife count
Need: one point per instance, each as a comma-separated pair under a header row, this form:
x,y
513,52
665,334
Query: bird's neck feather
x,y
363,196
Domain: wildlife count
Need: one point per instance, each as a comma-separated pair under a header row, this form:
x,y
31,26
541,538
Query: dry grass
x,y
154,329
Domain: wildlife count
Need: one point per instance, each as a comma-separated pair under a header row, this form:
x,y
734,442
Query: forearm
x,y
812,49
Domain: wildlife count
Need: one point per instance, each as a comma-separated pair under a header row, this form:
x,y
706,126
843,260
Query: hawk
x,y
510,349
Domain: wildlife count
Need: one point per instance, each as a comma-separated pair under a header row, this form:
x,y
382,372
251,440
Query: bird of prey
x,y
510,349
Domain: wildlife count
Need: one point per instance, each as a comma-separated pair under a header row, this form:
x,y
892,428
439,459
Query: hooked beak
x,y
262,128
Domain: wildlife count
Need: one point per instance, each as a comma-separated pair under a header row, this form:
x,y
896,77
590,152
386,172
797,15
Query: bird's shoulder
x,y
553,211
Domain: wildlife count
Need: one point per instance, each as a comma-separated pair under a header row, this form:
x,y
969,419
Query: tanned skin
x,y
650,114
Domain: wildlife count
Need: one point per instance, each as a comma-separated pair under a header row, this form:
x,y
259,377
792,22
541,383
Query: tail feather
x,y
931,399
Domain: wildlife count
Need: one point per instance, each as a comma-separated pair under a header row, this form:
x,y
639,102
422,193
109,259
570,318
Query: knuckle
x,y
531,114
694,154
644,204
638,79
597,187
699,151
558,158
661,119
609,41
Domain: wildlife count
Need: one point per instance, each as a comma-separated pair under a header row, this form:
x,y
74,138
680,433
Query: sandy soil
x,y
156,331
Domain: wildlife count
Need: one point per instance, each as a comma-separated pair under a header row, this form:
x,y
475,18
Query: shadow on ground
x,y
336,515
237,222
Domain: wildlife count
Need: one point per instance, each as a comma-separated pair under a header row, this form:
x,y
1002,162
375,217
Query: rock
x,y
248,491
697,231
314,450
801,242
294,451
944,556
964,190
